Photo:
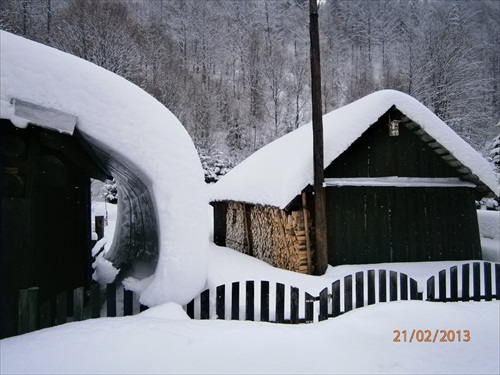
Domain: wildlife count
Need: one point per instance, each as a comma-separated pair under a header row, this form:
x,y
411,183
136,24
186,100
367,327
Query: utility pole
x,y
317,125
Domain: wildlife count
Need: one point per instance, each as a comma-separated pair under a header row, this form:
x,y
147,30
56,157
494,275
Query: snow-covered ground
x,y
164,340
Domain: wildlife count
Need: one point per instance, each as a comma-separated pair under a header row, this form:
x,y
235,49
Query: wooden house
x,y
64,121
400,187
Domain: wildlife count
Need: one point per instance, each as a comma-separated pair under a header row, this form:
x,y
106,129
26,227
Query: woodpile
x,y
275,236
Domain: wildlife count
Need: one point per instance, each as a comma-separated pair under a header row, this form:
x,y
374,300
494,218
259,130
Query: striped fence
x,y
251,300
79,304
271,302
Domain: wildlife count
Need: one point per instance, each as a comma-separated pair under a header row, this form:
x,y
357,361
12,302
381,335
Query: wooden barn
x,y
64,121
400,187
45,221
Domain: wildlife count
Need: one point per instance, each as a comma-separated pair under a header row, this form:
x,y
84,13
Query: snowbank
x,y
162,340
489,228
137,131
279,171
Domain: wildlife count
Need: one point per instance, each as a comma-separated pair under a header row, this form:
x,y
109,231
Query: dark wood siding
x,y
394,224
45,219
375,154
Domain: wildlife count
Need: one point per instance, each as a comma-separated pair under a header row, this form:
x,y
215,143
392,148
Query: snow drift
x,y
139,141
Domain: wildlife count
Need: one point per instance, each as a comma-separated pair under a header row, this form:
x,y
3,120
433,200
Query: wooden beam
x,y
317,125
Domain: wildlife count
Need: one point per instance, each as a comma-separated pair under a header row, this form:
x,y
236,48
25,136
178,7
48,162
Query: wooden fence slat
x,y
476,280
348,293
414,295
371,287
393,285
190,309
46,320
487,281
264,301
382,289
403,282
465,282
280,303
250,298
235,301
78,301
442,286
95,301
111,300
336,298
430,289
454,284
61,308
309,308
220,302
205,304
323,305
28,310
497,280
128,303
359,287
294,305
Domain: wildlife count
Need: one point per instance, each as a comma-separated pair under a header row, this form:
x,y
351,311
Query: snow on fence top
x,y
278,172
134,127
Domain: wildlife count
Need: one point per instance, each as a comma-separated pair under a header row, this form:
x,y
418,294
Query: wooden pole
x,y
317,124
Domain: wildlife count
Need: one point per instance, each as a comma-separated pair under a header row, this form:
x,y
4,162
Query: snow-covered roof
x,y
138,133
279,171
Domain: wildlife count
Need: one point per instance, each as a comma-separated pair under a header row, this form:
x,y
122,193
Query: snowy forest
x,y
237,73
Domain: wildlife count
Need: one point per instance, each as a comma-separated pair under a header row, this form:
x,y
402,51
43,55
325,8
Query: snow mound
x,y
139,137
170,311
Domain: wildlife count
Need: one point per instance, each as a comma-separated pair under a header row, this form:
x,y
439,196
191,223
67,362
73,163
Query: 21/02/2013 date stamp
x,y
427,335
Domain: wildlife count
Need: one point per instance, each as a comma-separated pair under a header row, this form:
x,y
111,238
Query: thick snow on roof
x,y
279,171
134,127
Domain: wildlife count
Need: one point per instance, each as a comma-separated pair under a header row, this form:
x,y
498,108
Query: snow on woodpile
x,y
277,172
134,127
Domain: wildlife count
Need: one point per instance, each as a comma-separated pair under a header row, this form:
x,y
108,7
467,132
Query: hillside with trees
x,y
237,74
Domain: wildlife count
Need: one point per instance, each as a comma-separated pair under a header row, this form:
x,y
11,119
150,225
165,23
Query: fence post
x,y
280,303
294,305
393,285
28,310
220,302
465,282
476,280
235,301
128,304
430,289
264,301
360,297
497,280
382,286
403,281
453,284
348,293
205,304
323,305
61,308
442,286
250,295
487,281
371,287
309,313
336,298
